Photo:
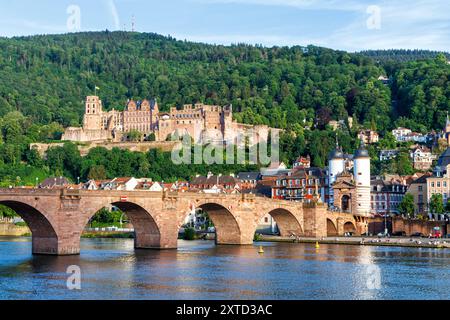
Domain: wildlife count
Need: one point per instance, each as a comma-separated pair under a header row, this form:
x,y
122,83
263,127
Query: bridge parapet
x,y
70,194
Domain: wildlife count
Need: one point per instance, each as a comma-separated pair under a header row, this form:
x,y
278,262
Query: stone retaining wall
x,y
9,229
410,226
85,147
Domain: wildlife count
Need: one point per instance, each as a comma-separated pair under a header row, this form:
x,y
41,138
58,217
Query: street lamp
x,y
37,179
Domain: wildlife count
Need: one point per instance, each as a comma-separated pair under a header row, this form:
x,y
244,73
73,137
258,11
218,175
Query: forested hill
x,y
44,81
402,55
47,78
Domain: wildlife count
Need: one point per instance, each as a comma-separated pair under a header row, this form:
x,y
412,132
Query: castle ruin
x,y
203,123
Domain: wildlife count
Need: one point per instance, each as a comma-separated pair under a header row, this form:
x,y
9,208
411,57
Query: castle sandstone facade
x,y
204,123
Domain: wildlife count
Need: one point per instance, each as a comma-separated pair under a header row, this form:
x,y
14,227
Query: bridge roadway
x,y
57,217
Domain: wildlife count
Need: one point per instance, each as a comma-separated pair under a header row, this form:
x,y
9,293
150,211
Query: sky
x,y
339,24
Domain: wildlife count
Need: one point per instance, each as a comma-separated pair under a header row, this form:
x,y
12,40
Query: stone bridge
x,y
57,217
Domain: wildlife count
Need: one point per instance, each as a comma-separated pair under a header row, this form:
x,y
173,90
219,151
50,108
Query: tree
x,y
34,158
323,117
151,137
447,206
406,206
104,216
97,172
436,203
404,165
388,141
7,212
135,136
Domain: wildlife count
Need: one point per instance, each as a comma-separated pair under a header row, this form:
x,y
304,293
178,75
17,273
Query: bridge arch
x,y
43,234
147,232
288,224
331,228
349,227
227,228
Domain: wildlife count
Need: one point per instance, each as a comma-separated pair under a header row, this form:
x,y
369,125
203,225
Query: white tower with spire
x,y
336,165
361,175
447,130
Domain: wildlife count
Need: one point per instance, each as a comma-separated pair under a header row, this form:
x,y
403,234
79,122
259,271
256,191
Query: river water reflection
x,y
112,269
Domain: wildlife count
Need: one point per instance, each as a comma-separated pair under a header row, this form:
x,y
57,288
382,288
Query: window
x,y
420,188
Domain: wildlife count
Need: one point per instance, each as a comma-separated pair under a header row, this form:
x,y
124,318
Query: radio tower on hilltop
x,y
133,23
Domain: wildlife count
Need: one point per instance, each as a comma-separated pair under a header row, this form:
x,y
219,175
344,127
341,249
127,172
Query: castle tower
x,y
361,175
93,105
93,113
336,165
154,109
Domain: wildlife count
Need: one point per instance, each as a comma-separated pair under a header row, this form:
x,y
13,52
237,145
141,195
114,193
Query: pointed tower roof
x,y
447,123
337,152
362,151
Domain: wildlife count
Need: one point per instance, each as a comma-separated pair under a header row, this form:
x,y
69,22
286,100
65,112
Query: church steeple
x,y
447,130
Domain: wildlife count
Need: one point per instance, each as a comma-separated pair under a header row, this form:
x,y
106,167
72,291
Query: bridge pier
x,y
44,245
226,238
61,246
146,240
315,220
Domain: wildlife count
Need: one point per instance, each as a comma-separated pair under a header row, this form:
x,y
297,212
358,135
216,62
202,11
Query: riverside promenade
x,y
412,242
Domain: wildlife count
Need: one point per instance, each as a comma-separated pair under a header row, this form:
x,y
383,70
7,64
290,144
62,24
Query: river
x,y
112,269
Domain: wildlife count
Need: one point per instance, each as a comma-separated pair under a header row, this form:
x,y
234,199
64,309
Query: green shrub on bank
x,y
189,234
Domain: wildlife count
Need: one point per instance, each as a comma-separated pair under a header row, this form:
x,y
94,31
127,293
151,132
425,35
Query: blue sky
x,y
340,24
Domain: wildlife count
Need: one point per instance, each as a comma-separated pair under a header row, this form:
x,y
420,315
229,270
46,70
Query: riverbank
x,y
12,230
108,235
367,241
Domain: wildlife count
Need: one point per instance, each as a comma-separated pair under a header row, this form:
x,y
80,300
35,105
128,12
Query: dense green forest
x,y
402,55
44,80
